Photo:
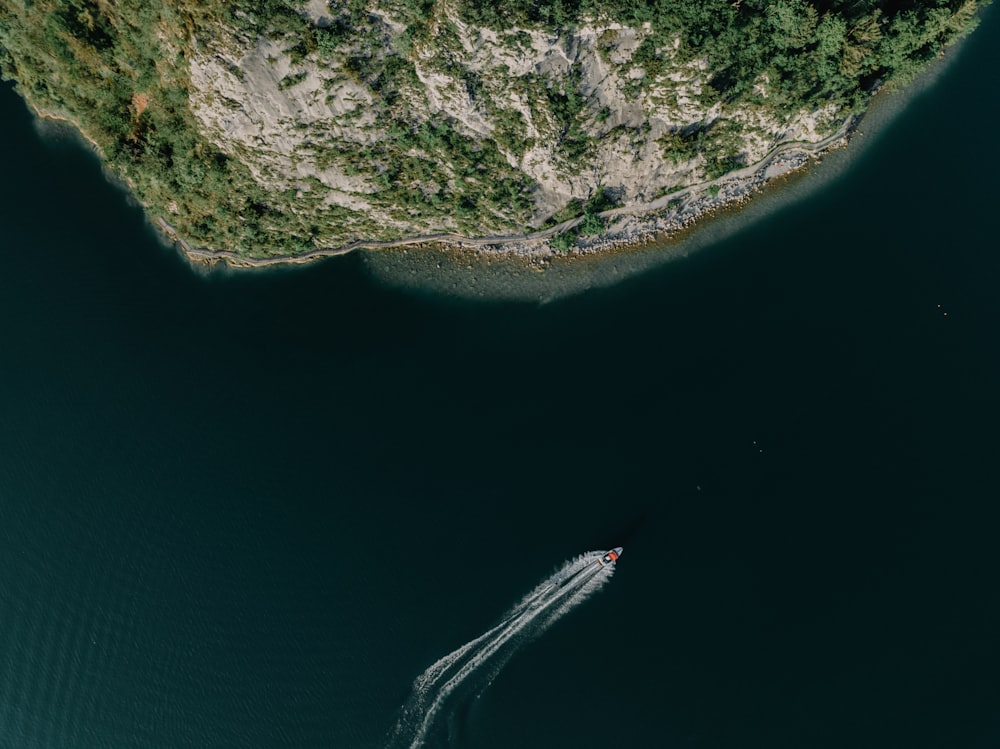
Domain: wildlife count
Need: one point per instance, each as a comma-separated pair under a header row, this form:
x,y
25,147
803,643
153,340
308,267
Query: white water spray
x,y
478,661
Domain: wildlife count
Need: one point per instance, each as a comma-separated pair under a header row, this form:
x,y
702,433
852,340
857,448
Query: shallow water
x,y
250,509
469,275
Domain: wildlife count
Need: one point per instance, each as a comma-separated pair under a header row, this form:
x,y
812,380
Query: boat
x,y
612,556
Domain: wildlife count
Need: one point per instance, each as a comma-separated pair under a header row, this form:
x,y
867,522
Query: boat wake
x,y
476,663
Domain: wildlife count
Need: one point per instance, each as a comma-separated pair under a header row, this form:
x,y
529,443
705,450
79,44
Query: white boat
x,y
612,556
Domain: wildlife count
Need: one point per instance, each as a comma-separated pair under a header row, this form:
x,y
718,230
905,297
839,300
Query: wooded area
x,y
120,69
814,50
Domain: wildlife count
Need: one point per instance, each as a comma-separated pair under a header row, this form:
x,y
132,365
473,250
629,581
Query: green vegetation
x,y
292,79
118,69
567,106
121,69
563,242
810,50
591,225
476,183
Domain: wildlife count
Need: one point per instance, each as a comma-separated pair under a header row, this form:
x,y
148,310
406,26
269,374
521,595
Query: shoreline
x,y
540,278
630,227
627,229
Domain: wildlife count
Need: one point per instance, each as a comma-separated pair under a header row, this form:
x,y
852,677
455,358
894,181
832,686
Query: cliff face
x,y
272,127
301,123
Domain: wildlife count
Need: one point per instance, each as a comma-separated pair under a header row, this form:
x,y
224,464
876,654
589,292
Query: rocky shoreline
x,y
680,214
627,227
632,226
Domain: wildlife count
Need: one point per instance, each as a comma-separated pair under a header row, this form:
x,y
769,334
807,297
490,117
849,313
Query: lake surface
x,y
248,510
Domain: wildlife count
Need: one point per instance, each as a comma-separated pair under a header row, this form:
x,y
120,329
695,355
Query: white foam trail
x,y
568,587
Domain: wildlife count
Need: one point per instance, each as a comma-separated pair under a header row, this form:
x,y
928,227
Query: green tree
x,y
792,23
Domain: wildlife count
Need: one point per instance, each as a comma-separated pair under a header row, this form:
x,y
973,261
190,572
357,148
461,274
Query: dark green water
x,y
248,510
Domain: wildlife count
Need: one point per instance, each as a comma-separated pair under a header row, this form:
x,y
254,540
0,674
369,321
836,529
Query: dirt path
x,y
235,259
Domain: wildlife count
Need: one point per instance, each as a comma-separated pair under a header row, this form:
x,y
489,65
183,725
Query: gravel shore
x,y
625,227
680,213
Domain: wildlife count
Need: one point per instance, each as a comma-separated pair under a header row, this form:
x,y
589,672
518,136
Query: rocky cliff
x,y
270,128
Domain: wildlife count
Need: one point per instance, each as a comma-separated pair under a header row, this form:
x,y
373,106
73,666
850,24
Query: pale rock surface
x,y
250,102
